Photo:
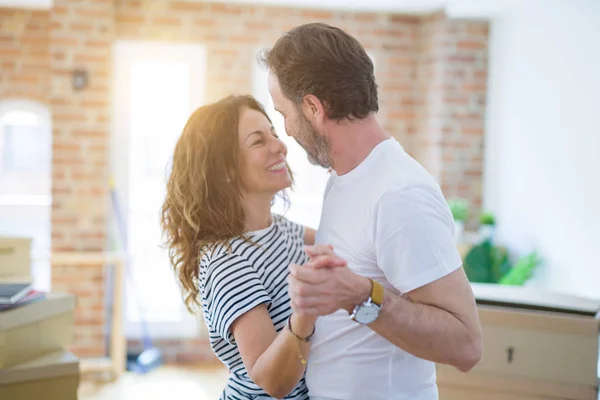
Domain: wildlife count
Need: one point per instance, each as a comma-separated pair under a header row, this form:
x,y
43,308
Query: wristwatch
x,y
368,311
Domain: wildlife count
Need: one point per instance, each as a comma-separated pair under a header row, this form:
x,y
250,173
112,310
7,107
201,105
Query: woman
x,y
231,255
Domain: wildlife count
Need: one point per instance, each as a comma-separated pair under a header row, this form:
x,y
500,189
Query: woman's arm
x,y
272,359
309,236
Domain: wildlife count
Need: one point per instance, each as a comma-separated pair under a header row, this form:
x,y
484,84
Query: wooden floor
x,y
167,382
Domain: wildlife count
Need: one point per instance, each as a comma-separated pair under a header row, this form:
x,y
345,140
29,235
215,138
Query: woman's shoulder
x,y
288,225
220,264
222,253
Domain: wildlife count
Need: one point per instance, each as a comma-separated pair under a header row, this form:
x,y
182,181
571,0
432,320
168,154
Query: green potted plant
x,y
460,212
487,224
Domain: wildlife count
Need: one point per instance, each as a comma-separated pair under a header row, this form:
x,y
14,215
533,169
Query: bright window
x,y
157,88
25,180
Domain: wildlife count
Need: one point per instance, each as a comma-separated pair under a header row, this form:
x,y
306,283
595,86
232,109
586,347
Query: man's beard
x,y
317,147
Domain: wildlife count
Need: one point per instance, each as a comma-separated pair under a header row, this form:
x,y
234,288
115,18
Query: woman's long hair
x,y
202,207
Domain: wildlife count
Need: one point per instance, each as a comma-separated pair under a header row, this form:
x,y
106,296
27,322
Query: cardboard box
x,y
54,376
536,345
15,256
35,329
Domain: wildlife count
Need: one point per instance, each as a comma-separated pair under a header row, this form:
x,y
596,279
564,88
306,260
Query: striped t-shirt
x,y
232,283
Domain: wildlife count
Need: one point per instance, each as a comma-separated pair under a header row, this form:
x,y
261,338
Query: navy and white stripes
x,y
232,283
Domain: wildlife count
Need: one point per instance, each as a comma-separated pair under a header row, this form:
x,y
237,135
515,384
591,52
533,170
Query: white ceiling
x,y
404,6
26,3
456,8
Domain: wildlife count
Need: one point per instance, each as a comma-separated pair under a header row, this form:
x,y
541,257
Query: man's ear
x,y
314,109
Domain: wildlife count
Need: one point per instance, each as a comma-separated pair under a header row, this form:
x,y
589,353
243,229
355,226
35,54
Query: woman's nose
x,y
279,147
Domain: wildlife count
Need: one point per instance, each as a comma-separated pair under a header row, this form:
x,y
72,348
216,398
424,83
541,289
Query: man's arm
x,y
309,236
436,322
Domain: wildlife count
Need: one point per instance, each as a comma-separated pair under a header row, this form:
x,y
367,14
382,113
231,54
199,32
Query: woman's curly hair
x,y
202,206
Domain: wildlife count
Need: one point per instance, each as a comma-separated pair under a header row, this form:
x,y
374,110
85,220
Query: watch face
x,y
367,313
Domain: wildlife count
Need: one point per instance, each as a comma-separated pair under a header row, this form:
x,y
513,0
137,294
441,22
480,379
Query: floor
x,y
170,382
167,382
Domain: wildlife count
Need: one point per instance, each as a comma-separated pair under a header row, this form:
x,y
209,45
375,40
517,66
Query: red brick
x,y
128,19
404,19
473,173
225,8
365,17
400,47
135,4
7,39
8,12
89,321
9,52
70,117
95,103
401,61
57,161
102,44
399,114
94,336
471,45
80,27
89,58
243,39
472,87
472,131
188,6
8,65
59,10
34,40
88,351
205,23
27,79
167,21
99,13
101,119
68,281
258,25
455,58
59,56
475,30
56,25
318,15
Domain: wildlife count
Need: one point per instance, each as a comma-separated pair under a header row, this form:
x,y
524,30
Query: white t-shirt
x,y
389,220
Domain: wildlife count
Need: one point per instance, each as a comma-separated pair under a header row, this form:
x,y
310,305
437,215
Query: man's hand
x,y
325,284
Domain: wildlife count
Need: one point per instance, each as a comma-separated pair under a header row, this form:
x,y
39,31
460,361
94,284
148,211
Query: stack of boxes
x,y
34,362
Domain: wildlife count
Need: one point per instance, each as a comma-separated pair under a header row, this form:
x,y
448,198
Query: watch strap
x,y
376,292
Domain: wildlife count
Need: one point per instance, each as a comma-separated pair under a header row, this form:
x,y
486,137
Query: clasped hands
x,y
325,284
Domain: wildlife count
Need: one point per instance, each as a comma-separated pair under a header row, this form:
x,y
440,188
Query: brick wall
x,y
431,72
451,93
24,72
232,34
81,35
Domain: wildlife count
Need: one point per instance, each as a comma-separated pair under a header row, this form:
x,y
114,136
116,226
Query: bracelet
x,y
299,339
306,339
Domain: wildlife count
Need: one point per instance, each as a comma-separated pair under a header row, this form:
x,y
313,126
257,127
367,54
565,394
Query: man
x,y
403,302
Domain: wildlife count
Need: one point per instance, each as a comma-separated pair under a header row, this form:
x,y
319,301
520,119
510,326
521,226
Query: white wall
x,y
542,175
